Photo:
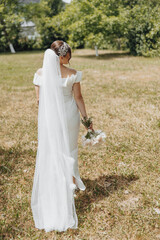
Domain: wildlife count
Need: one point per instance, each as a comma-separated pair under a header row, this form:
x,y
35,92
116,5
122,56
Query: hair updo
x,y
61,48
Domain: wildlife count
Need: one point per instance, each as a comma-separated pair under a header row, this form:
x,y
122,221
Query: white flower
x,y
121,164
99,137
93,138
73,186
157,210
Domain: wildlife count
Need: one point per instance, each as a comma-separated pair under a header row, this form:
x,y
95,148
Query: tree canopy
x,y
105,23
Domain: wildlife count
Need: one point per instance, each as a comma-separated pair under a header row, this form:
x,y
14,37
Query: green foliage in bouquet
x,y
90,134
86,121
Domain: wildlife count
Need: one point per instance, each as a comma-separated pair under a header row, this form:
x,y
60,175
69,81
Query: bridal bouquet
x,y
92,137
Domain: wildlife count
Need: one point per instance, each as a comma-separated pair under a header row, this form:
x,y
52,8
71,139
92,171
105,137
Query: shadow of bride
x,y
98,189
107,56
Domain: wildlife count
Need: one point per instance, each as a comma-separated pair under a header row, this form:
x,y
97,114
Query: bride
x,y
56,174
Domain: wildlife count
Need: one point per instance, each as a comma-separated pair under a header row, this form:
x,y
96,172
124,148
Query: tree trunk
x,y
96,49
11,48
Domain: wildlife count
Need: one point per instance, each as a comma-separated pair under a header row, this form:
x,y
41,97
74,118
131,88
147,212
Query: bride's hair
x,y
61,48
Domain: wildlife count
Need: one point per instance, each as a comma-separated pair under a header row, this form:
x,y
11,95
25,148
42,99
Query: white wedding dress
x,y
73,123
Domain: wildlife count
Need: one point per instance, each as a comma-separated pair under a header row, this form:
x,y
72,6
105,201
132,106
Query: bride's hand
x,y
90,127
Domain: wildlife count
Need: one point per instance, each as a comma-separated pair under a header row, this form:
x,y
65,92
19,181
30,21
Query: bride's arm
x,y
79,100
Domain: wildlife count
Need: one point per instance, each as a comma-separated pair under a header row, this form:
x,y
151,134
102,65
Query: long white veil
x,y
52,200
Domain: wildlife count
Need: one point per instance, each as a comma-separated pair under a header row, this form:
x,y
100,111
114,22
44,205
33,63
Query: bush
x,y
49,32
28,44
143,30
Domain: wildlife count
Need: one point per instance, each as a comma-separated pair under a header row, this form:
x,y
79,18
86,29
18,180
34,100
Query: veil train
x,y
52,200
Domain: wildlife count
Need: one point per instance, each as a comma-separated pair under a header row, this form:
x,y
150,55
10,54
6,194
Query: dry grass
x,y
122,199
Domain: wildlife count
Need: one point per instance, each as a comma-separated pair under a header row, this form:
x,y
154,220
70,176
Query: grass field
x,y
122,176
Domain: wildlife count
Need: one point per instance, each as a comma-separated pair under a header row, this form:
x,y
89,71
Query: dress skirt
x,y
73,122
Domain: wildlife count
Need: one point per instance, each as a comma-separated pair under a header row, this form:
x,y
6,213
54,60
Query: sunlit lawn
x,y
122,176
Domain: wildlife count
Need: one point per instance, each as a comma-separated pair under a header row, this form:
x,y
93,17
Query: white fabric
x,y
52,200
73,121
37,79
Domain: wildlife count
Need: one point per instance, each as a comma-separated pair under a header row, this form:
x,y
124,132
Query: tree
x,y
143,30
92,23
10,21
105,23
48,29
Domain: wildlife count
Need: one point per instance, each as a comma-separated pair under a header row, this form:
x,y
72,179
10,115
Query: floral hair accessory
x,y
63,49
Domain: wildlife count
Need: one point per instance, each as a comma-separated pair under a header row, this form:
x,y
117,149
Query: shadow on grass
x,y
106,56
21,52
11,157
98,189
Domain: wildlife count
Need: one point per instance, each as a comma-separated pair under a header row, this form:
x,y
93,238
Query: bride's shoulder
x,y
71,71
76,75
38,77
74,72
39,72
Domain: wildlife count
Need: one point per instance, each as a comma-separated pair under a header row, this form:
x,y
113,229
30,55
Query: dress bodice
x,y
67,83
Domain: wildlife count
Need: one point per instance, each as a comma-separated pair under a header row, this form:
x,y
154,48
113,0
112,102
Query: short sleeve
x,y
78,76
37,80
